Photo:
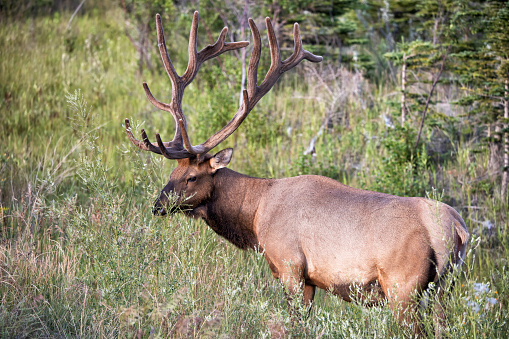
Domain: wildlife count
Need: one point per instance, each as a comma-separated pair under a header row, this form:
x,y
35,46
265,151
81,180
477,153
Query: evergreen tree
x,y
482,67
328,28
424,58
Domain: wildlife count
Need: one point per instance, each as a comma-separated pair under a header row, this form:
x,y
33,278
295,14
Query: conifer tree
x,y
498,47
482,67
424,58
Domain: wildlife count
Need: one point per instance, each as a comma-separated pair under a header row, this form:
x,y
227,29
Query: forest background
x,y
412,99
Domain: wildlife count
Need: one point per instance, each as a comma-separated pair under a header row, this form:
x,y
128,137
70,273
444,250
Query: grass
x,y
82,255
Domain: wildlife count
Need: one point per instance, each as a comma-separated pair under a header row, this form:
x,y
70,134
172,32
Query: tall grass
x,y
81,253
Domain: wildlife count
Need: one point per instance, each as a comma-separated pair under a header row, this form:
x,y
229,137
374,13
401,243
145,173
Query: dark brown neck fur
x,y
231,210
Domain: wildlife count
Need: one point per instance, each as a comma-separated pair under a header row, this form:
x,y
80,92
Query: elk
x,y
313,231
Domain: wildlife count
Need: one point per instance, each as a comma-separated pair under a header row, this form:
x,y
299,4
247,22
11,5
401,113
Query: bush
x,y
403,170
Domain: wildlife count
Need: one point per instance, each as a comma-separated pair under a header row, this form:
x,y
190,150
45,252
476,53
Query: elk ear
x,y
221,159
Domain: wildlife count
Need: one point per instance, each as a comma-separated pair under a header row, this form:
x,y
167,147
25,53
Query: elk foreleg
x,y
297,291
293,281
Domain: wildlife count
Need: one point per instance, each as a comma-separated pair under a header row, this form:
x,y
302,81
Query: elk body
x,y
313,231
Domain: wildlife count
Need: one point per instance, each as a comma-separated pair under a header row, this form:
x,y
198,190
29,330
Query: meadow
x,y
81,254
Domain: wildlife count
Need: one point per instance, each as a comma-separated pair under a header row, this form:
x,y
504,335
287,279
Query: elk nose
x,y
159,209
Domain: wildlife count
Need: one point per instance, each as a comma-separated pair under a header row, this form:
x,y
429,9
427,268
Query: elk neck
x,y
232,208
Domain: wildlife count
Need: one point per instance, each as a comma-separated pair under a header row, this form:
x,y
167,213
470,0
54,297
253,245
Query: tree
x,y
498,47
139,19
328,28
482,66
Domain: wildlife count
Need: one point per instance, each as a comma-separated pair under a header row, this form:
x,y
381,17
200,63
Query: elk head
x,y
192,181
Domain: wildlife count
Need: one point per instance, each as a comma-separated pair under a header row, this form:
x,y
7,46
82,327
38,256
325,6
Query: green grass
x,y
82,255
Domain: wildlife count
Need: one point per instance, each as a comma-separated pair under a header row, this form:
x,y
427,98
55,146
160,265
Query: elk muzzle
x,y
159,208
166,203
165,206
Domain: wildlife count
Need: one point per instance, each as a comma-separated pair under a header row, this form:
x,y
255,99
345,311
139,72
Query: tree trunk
x,y
403,91
505,175
494,161
430,94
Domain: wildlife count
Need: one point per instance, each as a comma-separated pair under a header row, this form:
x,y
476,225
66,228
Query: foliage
x,y
403,171
483,70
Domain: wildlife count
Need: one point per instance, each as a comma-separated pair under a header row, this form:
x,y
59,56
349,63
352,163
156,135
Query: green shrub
x,y
403,170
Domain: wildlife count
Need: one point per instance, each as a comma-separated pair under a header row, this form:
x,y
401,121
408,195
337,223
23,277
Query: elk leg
x,y
440,319
402,302
433,301
292,283
405,311
440,309
309,294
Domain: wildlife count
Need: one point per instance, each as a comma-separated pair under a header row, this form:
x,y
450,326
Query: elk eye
x,y
191,179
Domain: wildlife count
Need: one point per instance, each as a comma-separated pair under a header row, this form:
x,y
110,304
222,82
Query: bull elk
x,y
313,231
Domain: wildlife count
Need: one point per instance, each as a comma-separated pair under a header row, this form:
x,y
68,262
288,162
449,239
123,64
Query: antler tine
x,y
154,101
252,69
277,68
161,43
211,51
162,147
298,52
219,47
148,144
192,64
142,145
275,54
196,150
168,108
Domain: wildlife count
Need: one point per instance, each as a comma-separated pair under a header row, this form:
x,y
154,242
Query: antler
x,y
180,147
